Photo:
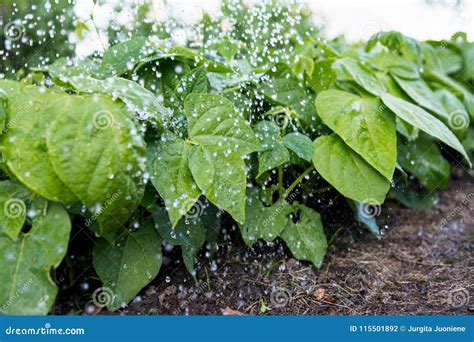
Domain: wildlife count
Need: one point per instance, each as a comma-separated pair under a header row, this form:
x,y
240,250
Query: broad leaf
x,y
172,178
364,124
96,150
226,187
213,121
284,88
306,238
24,142
362,75
421,119
323,76
263,222
26,287
299,144
122,57
127,264
138,99
345,170
274,154
419,92
423,159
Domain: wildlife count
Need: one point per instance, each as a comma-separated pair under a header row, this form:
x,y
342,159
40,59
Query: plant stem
x,y
280,180
297,181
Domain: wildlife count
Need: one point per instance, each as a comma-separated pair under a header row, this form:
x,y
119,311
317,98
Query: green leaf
x,y
421,119
122,57
345,170
3,110
96,150
361,74
127,264
24,142
138,99
299,144
303,65
26,287
423,159
412,198
12,208
274,154
172,178
419,92
194,82
226,187
323,76
263,222
306,238
364,124
80,28
213,121
284,88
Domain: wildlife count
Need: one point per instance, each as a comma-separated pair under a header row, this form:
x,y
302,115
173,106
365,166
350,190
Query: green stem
x,y
280,180
297,181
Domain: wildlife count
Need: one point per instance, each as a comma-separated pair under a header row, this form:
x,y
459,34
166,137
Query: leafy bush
x,y
154,143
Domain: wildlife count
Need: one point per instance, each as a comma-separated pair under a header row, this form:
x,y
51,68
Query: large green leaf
x,y
419,92
172,178
127,264
122,57
345,170
421,119
306,238
423,159
138,99
263,222
223,139
12,208
24,142
26,287
96,150
226,187
361,74
364,124
213,121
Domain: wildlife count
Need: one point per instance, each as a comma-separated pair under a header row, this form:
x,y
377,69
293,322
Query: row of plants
x,y
152,143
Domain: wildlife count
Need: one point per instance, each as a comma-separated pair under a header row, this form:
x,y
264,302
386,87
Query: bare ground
x,y
423,265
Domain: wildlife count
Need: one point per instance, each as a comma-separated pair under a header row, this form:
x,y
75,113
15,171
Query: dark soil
x,y
423,265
